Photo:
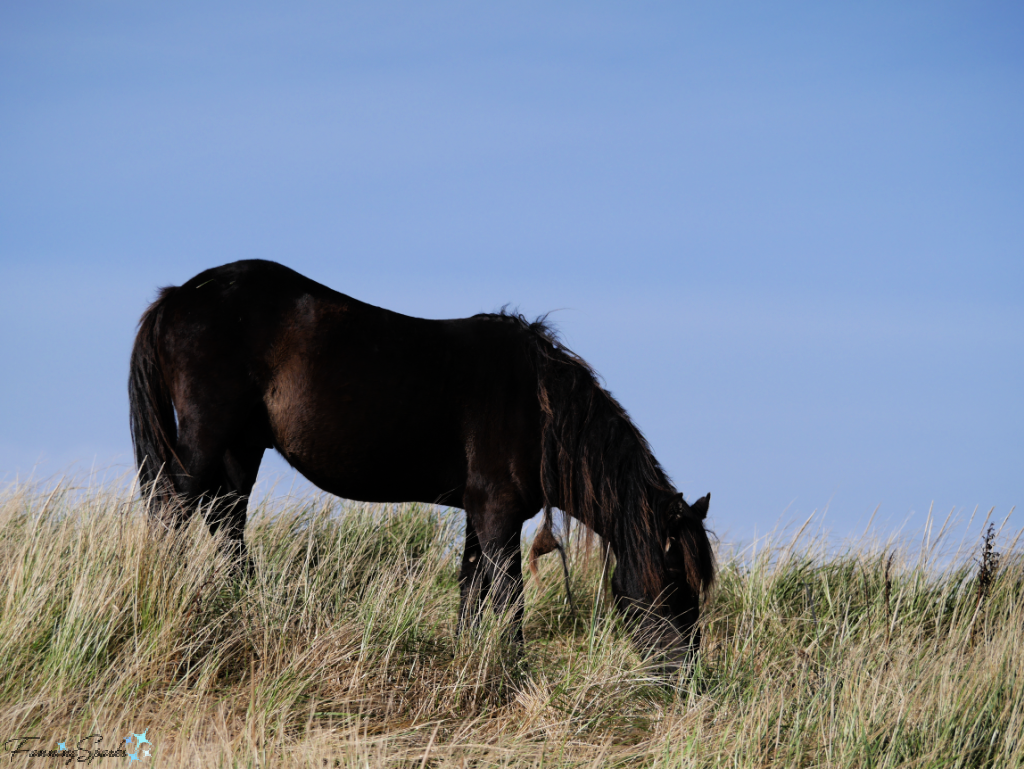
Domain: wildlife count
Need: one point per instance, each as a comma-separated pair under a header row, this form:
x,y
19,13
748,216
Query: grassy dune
x,y
339,651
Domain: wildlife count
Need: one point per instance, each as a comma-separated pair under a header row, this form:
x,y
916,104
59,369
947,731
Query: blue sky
x,y
789,236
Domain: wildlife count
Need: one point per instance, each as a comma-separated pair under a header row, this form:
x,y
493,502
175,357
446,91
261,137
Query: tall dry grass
x,y
339,650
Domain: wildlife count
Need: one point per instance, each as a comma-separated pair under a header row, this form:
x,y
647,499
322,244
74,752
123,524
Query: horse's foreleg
x,y
505,562
474,581
494,521
499,543
491,565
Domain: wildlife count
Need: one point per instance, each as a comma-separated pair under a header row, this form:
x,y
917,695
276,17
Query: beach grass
x,y
339,649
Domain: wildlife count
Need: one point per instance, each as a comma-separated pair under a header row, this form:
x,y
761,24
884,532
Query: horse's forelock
x,y
687,528
698,554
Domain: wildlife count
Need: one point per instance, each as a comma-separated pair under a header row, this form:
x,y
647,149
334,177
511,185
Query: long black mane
x,y
597,466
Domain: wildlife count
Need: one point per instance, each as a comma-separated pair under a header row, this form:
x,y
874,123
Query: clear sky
x,y
790,236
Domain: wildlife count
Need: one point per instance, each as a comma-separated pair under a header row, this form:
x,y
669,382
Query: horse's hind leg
x,y
241,465
221,460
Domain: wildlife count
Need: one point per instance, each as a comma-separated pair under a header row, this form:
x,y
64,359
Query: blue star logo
x,y
141,738
133,757
61,746
128,740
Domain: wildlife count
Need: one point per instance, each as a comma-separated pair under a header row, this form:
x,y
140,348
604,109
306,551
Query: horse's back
x,y
365,402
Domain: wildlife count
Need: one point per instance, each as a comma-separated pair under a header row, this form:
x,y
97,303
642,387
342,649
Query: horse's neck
x,y
631,466
612,525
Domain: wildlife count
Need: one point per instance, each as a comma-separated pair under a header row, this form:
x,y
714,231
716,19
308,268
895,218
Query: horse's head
x,y
689,565
664,611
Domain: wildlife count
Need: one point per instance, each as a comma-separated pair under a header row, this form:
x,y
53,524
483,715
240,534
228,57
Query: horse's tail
x,y
151,410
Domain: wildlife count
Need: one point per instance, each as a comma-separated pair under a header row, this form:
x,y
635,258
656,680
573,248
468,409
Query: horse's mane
x,y
597,466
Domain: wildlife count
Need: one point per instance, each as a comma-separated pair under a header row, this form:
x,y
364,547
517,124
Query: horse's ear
x,y
700,507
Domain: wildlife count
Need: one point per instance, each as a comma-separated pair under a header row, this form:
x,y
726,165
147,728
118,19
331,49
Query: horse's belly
x,y
370,450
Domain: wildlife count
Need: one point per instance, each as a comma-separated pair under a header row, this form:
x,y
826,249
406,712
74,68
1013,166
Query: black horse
x,y
490,413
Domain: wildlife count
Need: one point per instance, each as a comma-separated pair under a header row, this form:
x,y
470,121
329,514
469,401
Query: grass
x,y
339,651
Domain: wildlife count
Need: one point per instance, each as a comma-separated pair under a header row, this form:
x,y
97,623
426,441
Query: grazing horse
x,y
489,413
